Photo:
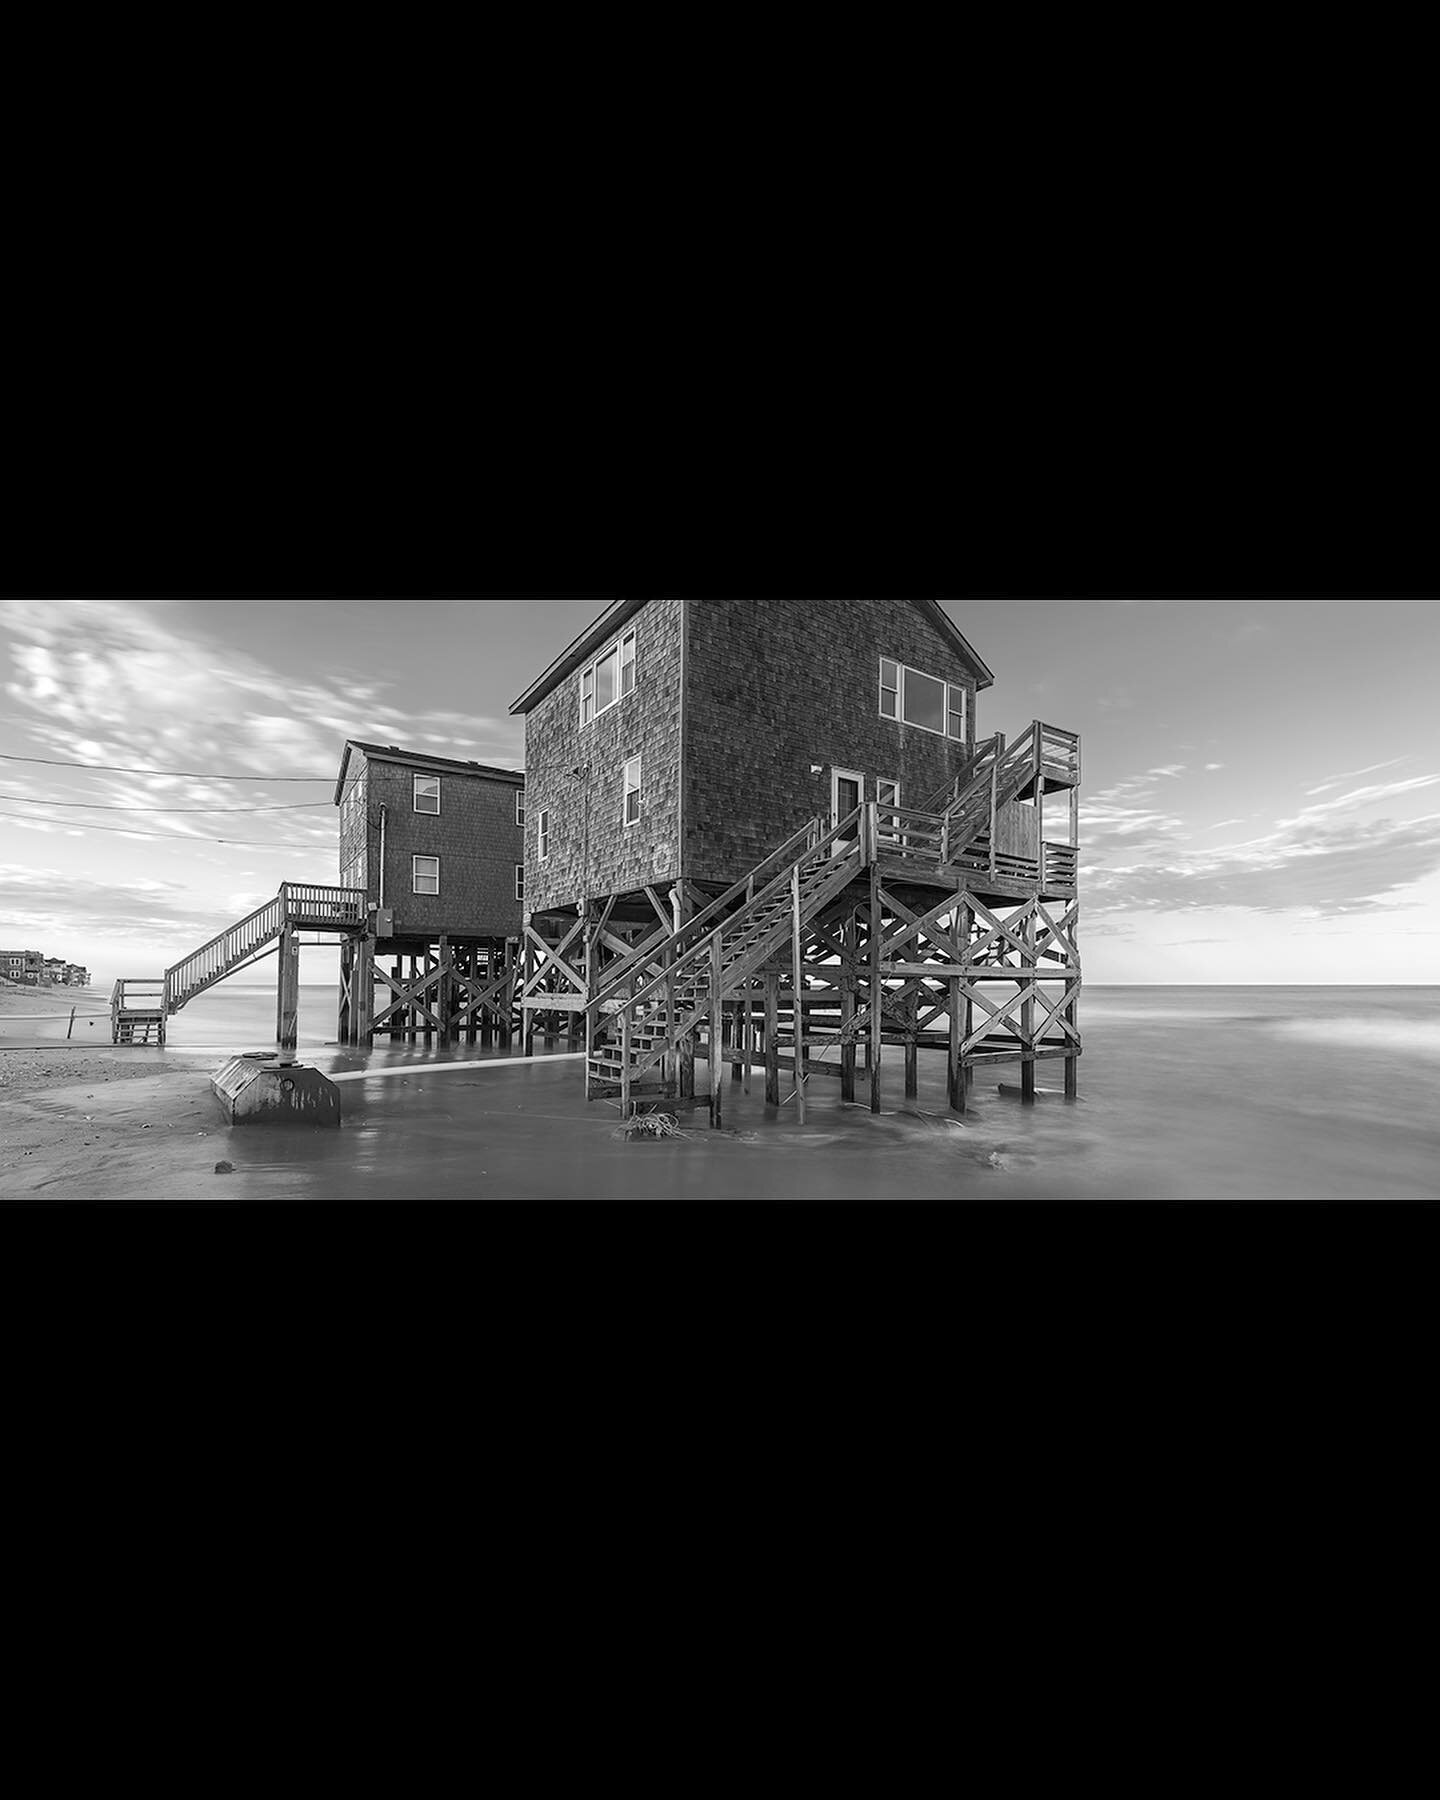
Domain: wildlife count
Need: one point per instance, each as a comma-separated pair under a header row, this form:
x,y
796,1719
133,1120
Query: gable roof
x,y
575,655
420,759
619,612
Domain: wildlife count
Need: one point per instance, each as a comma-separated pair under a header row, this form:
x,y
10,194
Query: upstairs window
x,y
542,834
608,679
427,793
520,807
632,791
519,881
914,698
426,874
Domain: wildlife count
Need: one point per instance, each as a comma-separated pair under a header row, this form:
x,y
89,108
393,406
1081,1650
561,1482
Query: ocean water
x,y
1221,1093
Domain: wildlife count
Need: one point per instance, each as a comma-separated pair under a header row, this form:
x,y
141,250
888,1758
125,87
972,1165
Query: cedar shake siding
x,y
752,693
643,723
776,685
474,835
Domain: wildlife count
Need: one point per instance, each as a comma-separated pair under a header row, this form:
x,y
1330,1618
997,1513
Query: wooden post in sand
x,y
287,983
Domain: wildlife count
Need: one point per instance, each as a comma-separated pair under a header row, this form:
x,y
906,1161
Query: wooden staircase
x,y
140,1006
639,1018
137,1010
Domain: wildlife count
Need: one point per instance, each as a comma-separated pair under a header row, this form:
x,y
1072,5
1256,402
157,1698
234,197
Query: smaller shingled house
x,y
437,844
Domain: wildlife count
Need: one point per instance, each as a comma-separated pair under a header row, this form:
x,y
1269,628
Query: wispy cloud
x,y
81,677
1211,767
1331,781
1327,856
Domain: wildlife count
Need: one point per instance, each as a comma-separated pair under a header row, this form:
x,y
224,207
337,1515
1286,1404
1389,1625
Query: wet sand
x,y
1181,1097
144,1124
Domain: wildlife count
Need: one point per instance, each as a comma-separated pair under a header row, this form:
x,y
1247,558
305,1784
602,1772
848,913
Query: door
x,y
847,789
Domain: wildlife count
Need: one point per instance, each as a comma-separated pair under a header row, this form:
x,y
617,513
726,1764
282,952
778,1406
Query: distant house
x,y
55,970
437,844
77,975
23,965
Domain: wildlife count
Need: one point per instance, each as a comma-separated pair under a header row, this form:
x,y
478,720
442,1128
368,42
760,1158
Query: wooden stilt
x,y
957,1073
365,993
717,1014
797,1008
287,983
772,1047
528,1024
1027,1011
877,988
847,1010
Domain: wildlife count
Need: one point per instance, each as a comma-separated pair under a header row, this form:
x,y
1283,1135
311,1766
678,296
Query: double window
x,y
426,874
608,679
632,791
915,698
520,807
427,793
542,834
519,881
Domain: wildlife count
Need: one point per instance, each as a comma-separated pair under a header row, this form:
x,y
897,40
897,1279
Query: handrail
x,y
695,951
237,943
944,796
621,970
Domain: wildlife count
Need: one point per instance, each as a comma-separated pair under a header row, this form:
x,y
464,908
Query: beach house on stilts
x,y
436,846
766,833
426,912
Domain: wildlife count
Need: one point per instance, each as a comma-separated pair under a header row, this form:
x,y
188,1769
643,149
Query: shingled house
x,y
716,783
709,730
438,847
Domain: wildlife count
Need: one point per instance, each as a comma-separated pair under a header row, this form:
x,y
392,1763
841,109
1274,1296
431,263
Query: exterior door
x,y
847,789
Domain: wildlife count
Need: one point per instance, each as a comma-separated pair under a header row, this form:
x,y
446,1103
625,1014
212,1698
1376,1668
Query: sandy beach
x,y
1243,1094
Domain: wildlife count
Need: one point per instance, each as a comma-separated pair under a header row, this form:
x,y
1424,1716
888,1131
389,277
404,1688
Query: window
x,y
915,698
542,819
426,874
632,791
519,881
520,807
427,793
608,679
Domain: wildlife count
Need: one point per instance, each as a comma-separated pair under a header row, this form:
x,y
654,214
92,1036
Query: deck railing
x,y
296,903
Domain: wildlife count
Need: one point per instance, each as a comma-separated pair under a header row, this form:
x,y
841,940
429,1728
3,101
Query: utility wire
x,y
107,806
174,837
190,774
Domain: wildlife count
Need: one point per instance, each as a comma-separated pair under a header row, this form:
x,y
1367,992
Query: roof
x,y
421,759
619,612
616,614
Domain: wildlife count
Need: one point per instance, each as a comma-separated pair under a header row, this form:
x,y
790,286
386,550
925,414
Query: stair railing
x,y
183,980
684,940
945,797
849,828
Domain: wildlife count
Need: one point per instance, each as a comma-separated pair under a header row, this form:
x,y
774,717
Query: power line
x,y
173,837
190,774
107,806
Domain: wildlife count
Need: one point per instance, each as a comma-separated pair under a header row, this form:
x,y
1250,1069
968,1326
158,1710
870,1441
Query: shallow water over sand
x,y
1185,1093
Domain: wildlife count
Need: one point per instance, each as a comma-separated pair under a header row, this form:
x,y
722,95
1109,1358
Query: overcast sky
x,y
1261,798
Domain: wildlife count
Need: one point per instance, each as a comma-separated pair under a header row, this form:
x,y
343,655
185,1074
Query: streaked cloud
x,y
1331,781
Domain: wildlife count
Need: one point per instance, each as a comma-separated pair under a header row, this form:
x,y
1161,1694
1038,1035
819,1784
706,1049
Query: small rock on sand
x,y
224,1168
